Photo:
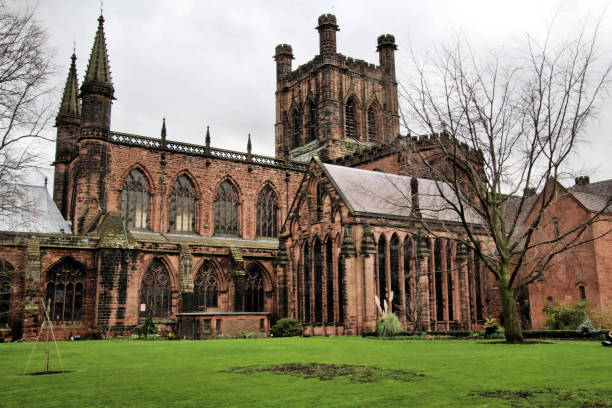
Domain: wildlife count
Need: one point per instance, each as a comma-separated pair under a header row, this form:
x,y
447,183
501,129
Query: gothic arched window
x,y
394,258
318,275
155,292
307,282
330,280
349,118
311,122
439,268
408,278
296,129
319,201
449,279
205,288
267,213
64,291
254,291
382,269
6,277
226,209
182,205
373,128
135,200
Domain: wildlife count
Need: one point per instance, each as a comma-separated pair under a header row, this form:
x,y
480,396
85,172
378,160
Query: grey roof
x,y
387,194
594,196
27,208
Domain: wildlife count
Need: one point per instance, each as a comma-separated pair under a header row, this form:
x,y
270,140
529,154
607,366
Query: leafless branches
x,y
25,101
499,126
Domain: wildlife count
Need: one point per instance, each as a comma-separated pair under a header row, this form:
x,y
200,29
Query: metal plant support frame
x,y
47,326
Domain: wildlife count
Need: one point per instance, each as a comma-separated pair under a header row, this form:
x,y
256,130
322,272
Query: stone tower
x,y
334,105
97,93
67,123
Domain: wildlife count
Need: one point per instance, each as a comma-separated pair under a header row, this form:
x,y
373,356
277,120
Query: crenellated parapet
x,y
334,99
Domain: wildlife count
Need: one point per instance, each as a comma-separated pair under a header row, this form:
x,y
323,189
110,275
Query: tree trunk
x,y
512,323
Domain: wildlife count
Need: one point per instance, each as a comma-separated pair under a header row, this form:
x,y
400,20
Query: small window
x,y
556,227
582,290
349,118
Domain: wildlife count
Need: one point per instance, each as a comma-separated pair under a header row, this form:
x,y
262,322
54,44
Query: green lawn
x,y
189,373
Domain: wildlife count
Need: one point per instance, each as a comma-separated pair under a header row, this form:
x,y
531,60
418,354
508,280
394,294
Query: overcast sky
x,y
200,63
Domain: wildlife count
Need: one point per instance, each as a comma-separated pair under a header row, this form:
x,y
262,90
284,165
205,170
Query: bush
x,y
490,326
388,325
148,327
601,317
565,317
245,334
287,327
92,335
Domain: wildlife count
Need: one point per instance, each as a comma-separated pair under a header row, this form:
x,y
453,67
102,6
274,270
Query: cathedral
x,y
211,242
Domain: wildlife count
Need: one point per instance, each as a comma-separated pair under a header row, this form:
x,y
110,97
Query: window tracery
x,y
349,118
182,205
135,199
155,293
254,291
267,213
64,291
226,209
205,288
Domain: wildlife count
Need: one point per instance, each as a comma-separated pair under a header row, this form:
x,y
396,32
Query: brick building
x,y
216,241
582,272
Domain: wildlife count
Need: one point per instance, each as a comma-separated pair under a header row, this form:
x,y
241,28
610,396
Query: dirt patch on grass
x,y
324,372
550,397
522,342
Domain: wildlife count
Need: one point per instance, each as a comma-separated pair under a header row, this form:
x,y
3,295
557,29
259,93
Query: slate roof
x,y
383,194
43,216
594,196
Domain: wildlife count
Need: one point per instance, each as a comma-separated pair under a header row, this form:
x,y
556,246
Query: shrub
x,y
565,317
148,327
388,325
286,327
92,335
586,328
601,317
491,326
245,334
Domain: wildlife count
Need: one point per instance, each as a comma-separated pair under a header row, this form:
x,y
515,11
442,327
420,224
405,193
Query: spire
x,y
207,137
163,133
249,145
70,100
98,72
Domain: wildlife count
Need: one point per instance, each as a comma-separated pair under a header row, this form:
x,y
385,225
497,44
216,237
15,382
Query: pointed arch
x,y
307,271
254,289
438,273
65,290
382,269
351,112
394,266
206,287
183,204
409,278
226,208
156,290
329,282
266,212
318,279
295,127
374,123
310,117
449,279
135,199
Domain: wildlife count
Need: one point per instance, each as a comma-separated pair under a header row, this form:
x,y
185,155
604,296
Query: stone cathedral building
x,y
212,241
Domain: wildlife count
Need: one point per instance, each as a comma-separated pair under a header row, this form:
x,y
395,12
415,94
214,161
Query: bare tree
x,y
499,126
25,102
